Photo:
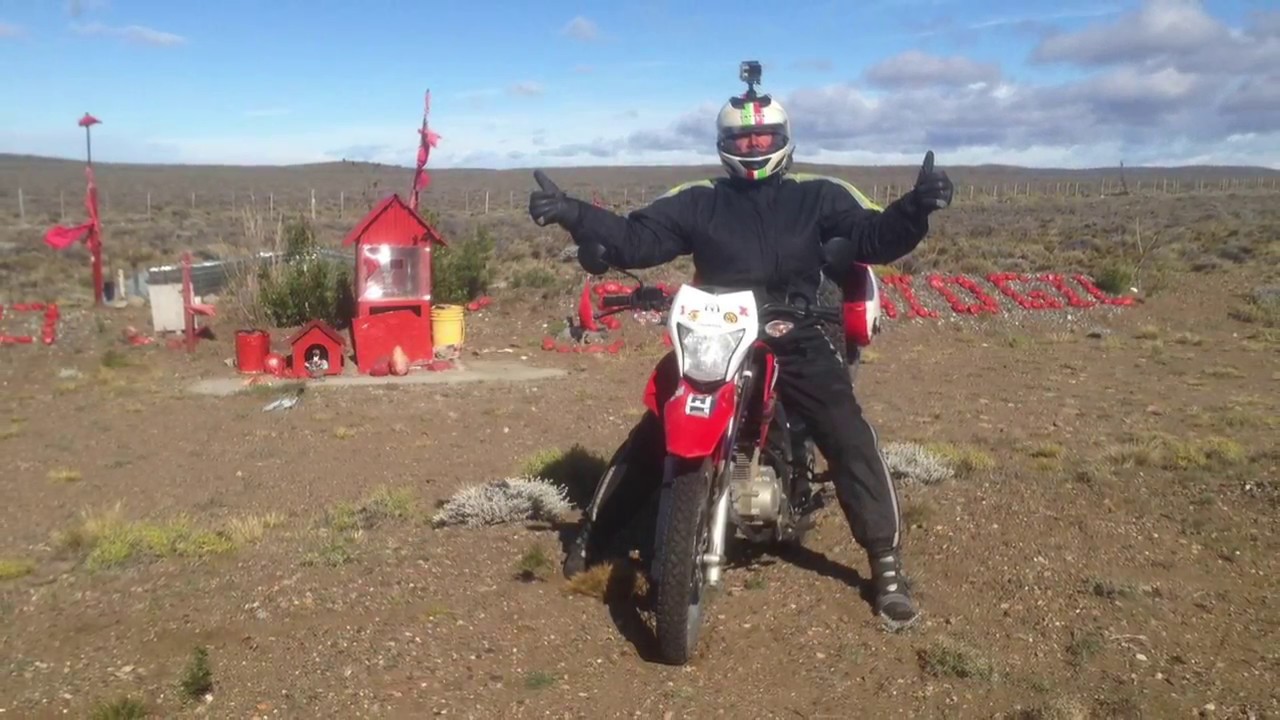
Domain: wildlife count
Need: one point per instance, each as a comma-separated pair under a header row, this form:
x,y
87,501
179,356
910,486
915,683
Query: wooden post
x,y
148,204
271,204
313,203
342,203
486,202
22,208
62,207
193,199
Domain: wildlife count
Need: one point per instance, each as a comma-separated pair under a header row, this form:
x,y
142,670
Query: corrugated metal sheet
x,y
211,276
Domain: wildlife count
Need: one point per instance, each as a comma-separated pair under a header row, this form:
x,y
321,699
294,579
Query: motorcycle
x,y
735,462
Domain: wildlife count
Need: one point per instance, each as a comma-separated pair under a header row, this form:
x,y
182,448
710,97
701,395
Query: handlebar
x,y
617,301
820,313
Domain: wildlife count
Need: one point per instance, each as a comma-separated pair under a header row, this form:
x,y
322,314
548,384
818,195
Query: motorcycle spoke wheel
x,y
681,592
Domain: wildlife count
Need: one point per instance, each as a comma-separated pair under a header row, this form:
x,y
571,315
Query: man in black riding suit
x,y
776,233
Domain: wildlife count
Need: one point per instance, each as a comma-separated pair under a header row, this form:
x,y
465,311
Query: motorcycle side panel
x,y
769,397
662,384
696,423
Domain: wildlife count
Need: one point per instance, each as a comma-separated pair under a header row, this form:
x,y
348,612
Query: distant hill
x,y
34,163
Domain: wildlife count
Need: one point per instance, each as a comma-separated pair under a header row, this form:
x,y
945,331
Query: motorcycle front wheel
x,y
685,537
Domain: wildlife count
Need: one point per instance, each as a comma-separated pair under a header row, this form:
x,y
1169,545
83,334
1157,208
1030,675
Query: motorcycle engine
x,y
756,494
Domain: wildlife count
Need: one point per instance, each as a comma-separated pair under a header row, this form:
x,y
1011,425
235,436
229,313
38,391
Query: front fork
x,y
717,534
714,558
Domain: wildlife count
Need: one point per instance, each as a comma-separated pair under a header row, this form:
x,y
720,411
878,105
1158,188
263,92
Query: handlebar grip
x,y
616,300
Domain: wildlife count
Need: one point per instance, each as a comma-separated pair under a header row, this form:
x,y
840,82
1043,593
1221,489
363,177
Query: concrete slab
x,y
468,372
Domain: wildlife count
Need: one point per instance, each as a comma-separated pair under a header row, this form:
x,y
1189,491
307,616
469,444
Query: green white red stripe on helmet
x,y
752,114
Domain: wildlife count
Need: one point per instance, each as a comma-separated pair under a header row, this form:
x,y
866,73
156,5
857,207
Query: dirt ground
x,y
1110,549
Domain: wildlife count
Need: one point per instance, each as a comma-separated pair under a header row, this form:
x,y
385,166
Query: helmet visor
x,y
753,141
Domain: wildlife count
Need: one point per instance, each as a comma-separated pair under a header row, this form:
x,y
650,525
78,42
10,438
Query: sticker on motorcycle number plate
x,y
699,405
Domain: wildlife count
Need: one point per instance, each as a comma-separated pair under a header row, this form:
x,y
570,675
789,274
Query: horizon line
x,y
642,166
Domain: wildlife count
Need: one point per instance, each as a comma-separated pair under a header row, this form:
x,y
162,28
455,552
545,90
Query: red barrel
x,y
252,347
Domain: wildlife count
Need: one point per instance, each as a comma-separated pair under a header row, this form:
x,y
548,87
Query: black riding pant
x,y
813,385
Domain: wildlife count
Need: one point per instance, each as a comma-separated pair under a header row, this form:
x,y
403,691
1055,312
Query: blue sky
x,y
518,84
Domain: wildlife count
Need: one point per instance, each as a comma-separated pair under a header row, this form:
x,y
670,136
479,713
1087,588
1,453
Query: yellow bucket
x,y
446,325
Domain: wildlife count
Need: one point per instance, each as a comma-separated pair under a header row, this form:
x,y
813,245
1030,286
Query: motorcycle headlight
x,y
707,355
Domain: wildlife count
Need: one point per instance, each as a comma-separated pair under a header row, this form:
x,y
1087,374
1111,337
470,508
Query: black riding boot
x,y
892,596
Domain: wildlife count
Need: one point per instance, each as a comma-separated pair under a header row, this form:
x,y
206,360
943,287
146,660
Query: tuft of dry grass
x,y
105,539
609,581
1223,372
592,582
122,708
14,569
1186,338
64,475
383,503
946,657
1259,309
1148,332
535,564
967,460
1084,645
1169,453
250,529
13,431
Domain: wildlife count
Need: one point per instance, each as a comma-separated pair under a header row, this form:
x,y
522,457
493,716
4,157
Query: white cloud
x,y
581,28
1164,100
527,88
1166,82
915,69
138,34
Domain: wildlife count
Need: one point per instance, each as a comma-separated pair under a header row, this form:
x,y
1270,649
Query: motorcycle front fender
x,y
695,423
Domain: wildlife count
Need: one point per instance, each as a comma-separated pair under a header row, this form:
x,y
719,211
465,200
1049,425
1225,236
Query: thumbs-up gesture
x,y
933,190
549,204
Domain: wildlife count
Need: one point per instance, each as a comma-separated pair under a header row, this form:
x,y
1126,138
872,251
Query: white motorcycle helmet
x,y
753,137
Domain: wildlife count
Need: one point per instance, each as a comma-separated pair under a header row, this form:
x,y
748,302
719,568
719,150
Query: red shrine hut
x,y
392,284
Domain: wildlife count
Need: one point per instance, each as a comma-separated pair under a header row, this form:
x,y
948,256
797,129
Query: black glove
x,y
933,190
549,204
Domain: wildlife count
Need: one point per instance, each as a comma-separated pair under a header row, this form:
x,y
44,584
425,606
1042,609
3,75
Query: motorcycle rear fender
x,y
695,423
861,304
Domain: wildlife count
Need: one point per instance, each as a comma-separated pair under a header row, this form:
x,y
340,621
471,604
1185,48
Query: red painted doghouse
x,y
315,350
393,284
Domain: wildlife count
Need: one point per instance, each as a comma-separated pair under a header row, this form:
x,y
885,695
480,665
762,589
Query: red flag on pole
x,y
427,139
61,237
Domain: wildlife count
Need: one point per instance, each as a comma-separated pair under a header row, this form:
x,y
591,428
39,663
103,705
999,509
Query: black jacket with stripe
x,y
767,236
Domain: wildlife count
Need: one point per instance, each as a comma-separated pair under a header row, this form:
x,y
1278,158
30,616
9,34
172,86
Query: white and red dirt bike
x,y
734,460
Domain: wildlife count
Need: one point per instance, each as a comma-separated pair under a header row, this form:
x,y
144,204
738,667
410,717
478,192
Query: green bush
x,y
301,286
460,272
1115,278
